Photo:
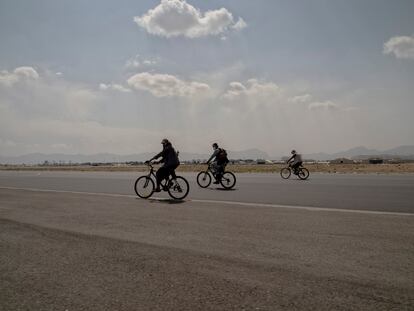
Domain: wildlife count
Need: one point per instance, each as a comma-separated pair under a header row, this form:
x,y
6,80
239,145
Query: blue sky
x,y
105,76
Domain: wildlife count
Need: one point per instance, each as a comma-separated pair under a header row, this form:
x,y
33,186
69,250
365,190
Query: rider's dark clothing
x,y
169,156
163,173
215,153
170,163
220,163
296,165
297,161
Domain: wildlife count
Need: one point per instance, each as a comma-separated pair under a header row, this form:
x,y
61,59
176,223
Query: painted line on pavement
x,y
308,208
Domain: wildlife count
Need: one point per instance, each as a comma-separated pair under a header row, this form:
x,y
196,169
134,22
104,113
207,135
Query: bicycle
x,y
177,187
301,172
228,179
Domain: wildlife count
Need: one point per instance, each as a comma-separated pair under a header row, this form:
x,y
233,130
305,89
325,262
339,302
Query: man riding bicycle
x,y
170,163
295,161
219,163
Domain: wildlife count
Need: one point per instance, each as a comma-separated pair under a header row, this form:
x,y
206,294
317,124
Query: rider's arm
x,y
157,155
291,158
215,153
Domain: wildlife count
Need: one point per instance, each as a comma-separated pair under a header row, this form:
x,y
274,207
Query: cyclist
x,y
295,161
170,162
219,163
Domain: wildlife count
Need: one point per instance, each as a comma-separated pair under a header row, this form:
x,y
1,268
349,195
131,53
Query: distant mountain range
x,y
405,152
38,158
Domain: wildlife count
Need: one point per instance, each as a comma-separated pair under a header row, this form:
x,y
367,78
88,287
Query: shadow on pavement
x,y
297,179
166,201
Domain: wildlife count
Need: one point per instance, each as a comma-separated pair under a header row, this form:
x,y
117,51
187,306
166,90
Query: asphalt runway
x,y
83,241
392,193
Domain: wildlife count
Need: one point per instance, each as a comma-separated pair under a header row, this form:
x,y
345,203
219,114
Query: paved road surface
x,y
83,251
394,193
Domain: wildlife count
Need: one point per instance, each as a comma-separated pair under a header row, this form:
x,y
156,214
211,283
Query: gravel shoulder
x,y
403,168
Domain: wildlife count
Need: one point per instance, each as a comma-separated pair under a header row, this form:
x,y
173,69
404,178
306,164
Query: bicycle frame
x,y
290,166
210,170
176,186
151,172
301,171
165,183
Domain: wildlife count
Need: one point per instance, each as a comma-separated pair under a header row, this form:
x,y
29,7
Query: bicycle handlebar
x,y
148,163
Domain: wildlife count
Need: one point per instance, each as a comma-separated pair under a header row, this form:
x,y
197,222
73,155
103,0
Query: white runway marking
x,y
308,208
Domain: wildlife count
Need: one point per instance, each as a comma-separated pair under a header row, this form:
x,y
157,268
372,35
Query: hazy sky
x,y
117,76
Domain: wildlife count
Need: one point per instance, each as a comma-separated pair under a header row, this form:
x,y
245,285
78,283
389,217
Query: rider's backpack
x,y
222,155
176,157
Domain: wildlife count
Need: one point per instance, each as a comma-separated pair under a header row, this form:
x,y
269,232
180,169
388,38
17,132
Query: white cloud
x,y
326,105
165,85
19,74
103,86
28,94
401,47
74,137
253,88
300,99
133,63
138,61
241,24
173,18
149,62
51,114
115,87
26,72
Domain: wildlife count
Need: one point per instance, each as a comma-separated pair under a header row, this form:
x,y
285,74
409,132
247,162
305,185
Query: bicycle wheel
x,y
178,188
228,180
285,172
144,187
303,173
204,179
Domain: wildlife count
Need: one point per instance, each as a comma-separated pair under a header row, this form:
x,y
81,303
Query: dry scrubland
x,y
267,168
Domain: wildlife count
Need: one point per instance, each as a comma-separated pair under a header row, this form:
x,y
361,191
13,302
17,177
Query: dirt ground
x,y
237,168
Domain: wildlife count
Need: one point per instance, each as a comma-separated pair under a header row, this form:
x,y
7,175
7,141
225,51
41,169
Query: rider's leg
x,y
296,167
214,170
293,166
220,171
172,171
160,175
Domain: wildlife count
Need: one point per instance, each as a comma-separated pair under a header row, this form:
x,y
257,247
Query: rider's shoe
x,y
216,182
